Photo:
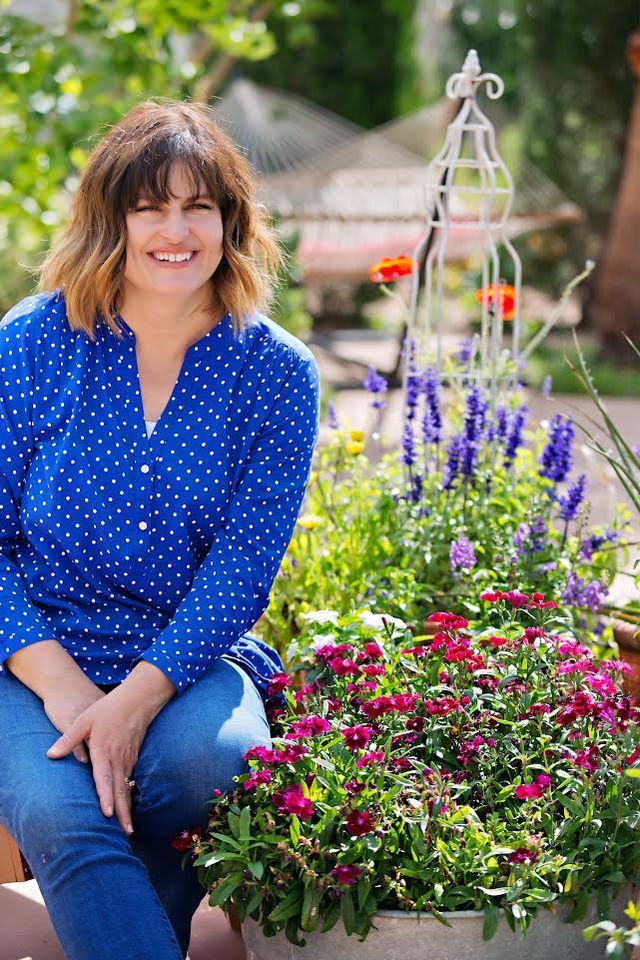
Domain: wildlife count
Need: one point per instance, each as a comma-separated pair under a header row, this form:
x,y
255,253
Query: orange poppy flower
x,y
505,296
391,268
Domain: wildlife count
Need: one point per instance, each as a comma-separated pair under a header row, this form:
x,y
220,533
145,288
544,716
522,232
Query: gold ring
x,y
129,783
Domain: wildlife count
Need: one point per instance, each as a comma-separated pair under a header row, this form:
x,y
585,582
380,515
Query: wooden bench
x,y
13,867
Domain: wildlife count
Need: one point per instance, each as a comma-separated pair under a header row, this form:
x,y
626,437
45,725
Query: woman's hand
x,y
68,703
114,728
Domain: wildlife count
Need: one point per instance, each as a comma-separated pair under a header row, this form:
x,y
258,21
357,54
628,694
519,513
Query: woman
x,y
156,434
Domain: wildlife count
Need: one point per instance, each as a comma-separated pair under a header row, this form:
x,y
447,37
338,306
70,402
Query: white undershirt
x,y
150,424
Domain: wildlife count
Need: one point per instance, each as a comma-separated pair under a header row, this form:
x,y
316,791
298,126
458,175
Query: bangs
x,y
148,173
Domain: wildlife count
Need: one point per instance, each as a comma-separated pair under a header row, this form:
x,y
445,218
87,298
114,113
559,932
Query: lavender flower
x,y
570,502
594,595
596,540
545,387
462,555
332,417
417,484
452,465
514,437
408,445
520,537
465,351
578,593
414,381
432,422
530,537
375,384
556,456
502,423
474,423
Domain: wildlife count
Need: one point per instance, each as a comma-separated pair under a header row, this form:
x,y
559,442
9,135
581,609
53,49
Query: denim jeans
x,y
109,895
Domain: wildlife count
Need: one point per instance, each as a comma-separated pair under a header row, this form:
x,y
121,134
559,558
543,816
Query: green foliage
x,y
624,459
61,86
355,59
454,772
363,539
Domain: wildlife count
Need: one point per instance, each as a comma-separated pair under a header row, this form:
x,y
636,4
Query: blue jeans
x,y
109,895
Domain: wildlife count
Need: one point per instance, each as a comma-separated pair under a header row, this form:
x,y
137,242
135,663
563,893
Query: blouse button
x,y
145,468
143,524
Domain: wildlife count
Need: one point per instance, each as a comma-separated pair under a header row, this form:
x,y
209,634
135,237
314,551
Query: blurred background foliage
x,y
569,89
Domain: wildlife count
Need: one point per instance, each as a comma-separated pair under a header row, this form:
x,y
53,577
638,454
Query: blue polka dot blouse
x,y
124,546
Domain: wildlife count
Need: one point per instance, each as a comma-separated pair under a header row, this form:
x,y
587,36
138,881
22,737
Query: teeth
x,y
173,257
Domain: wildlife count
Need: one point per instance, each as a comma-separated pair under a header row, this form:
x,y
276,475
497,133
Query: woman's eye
x,y
147,206
201,206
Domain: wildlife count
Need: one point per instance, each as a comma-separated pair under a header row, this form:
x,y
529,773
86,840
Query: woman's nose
x,y
175,226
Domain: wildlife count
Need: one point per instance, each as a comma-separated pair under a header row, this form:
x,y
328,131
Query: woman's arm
x,y
231,588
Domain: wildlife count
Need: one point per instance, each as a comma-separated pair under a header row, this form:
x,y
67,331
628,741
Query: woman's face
x,y
173,249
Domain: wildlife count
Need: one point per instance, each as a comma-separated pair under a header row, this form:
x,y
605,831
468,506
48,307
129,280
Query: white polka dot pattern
x,y
163,547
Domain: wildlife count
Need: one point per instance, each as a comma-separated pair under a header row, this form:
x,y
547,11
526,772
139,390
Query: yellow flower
x,y
355,447
357,435
313,477
309,521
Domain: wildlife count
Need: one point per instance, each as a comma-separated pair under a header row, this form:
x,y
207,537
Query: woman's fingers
x,y
70,740
122,795
81,753
103,777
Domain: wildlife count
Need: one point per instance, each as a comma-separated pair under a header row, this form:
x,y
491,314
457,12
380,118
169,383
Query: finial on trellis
x,y
470,194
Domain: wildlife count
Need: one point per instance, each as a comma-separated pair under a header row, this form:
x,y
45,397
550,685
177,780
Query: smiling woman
x,y
136,556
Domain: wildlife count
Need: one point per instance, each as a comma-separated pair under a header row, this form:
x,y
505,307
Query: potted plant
x,y
478,496
608,441
434,792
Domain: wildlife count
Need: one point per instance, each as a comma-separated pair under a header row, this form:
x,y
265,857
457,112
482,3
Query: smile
x,y
165,257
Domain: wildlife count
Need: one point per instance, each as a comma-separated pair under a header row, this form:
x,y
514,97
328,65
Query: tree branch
x,y
213,78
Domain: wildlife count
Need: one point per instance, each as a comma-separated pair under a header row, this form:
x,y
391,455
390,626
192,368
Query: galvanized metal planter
x,y
401,936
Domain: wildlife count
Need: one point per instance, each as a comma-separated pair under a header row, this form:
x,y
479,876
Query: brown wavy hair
x,y
135,158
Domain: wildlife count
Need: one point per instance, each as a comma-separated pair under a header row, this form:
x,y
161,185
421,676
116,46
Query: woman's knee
x,y
199,749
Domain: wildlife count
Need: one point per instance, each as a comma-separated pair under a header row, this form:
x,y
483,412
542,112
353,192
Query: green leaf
x,y
603,906
225,889
294,829
289,907
491,920
257,868
244,828
310,909
348,913
331,917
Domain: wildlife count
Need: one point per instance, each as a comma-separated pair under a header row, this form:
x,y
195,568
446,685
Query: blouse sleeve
x,y
20,620
230,590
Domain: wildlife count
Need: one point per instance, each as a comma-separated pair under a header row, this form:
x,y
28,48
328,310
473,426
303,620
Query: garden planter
x,y
401,936
627,636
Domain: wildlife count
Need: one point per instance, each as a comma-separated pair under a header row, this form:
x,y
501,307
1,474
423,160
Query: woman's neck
x,y
167,324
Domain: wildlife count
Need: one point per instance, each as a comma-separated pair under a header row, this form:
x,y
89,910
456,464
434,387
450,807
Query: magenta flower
x,y
346,873
309,726
359,822
535,790
522,855
588,759
374,651
263,754
527,791
256,778
372,757
277,683
449,621
293,800
356,738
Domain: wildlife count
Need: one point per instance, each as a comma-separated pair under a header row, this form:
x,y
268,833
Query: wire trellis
x,y
470,190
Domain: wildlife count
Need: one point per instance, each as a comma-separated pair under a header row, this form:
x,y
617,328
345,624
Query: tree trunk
x,y
615,308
